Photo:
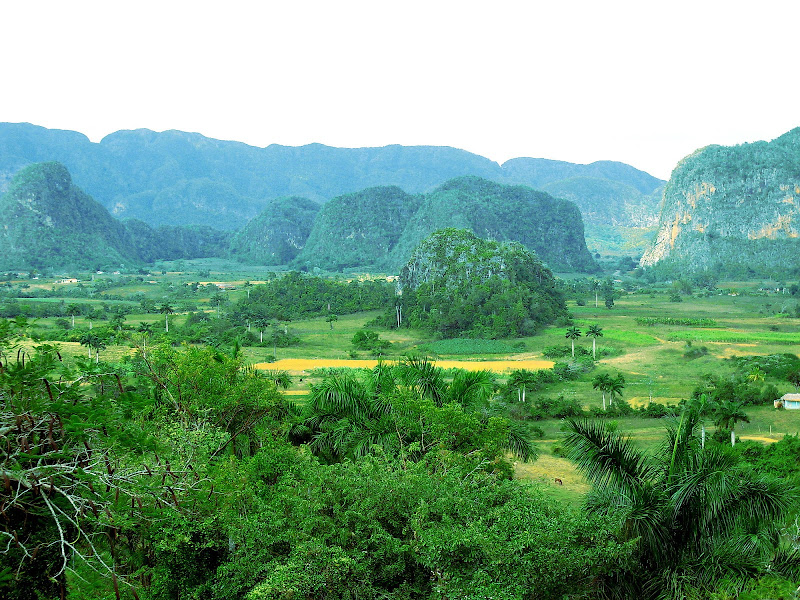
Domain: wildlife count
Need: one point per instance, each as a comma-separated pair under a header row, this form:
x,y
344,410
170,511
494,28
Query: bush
x,y
692,353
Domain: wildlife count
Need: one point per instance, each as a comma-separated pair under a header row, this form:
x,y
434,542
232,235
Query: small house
x,y
788,401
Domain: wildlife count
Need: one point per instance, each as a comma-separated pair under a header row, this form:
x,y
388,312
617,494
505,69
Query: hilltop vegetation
x,y
380,227
456,283
551,227
358,230
48,221
732,211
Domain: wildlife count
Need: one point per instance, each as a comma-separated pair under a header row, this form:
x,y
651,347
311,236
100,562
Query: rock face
x,y
733,211
278,234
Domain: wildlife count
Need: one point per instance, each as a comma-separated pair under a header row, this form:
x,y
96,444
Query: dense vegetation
x,y
296,295
172,476
456,283
173,469
550,227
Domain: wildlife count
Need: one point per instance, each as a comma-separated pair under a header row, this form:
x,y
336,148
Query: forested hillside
x,y
380,227
180,178
278,234
358,230
551,227
49,222
732,210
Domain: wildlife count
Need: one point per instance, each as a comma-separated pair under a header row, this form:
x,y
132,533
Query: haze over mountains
x,y
177,178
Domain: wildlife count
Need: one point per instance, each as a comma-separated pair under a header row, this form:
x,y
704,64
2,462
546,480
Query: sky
x,y
645,83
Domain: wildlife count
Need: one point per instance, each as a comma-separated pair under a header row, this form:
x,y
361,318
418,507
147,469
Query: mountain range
x,y
178,178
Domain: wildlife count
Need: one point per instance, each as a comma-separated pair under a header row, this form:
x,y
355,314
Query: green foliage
x,y
699,520
55,224
456,283
693,352
684,321
295,296
779,366
365,339
550,227
358,230
52,223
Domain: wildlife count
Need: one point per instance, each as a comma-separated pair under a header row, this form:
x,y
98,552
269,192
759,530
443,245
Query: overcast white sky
x,y
641,82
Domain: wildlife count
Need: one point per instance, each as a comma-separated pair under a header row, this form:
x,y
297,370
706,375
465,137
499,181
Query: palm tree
x,y
281,378
615,387
347,413
594,332
756,374
702,406
695,519
166,310
522,380
726,414
573,333
72,310
601,382
595,285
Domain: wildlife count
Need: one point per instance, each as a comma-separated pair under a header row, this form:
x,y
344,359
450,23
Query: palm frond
x,y
471,389
519,443
604,457
341,394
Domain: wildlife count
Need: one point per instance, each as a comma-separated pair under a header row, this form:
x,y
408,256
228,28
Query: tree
x,y
72,310
756,374
595,285
696,519
726,414
80,484
601,382
166,310
573,333
594,331
615,387
522,380
608,292
794,378
330,319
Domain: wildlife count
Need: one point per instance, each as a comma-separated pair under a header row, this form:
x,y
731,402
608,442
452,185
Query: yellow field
x,y
297,366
